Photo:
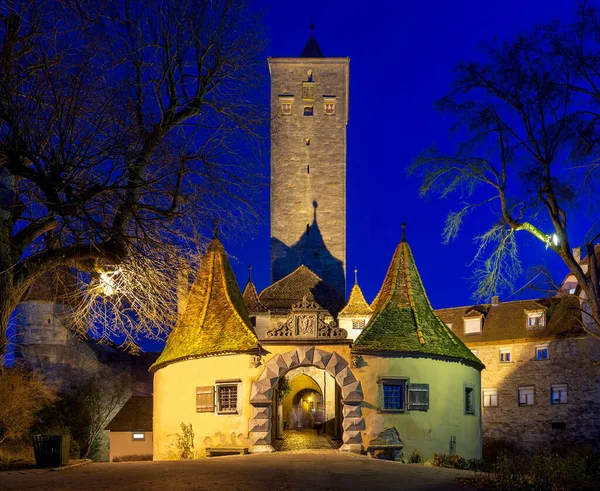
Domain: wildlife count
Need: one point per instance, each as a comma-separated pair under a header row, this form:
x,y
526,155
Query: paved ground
x,y
315,470
303,440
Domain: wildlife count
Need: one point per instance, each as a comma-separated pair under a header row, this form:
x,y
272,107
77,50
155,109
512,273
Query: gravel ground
x,y
293,471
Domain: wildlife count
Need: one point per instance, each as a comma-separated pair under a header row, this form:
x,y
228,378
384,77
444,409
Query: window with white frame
x,y
473,325
138,436
525,396
536,319
490,397
505,355
542,352
558,394
469,402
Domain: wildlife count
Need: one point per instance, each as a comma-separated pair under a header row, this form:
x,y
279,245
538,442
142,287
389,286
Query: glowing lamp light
x,y
107,283
555,239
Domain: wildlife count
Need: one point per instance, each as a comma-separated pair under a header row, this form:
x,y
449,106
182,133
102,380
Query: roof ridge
x,y
411,300
288,275
535,300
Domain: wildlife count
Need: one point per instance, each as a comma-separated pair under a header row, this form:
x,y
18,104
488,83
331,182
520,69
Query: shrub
x,y
184,441
415,457
133,457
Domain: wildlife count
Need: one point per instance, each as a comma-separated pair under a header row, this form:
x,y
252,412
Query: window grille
x,y
393,396
227,398
358,323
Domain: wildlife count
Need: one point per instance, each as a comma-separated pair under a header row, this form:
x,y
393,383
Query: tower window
x,y
310,75
308,110
307,229
308,168
307,141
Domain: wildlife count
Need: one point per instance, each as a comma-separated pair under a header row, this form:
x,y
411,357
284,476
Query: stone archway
x,y
261,396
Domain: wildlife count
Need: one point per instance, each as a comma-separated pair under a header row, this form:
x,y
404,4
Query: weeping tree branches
x,y
124,126
527,124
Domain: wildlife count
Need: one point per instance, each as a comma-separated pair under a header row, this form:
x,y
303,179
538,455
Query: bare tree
x,y
124,126
23,394
528,123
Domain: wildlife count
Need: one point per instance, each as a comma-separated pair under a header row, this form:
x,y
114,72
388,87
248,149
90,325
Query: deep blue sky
x,y
402,56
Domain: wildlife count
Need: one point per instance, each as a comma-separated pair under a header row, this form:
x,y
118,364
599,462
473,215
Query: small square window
x,y
138,436
393,394
505,355
308,110
473,326
536,320
559,394
490,397
358,323
526,396
469,404
227,396
541,352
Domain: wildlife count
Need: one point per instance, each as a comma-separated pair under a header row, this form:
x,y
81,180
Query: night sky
x,y
402,56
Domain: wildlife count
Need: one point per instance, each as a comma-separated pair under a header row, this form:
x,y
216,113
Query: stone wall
x,y
308,168
542,426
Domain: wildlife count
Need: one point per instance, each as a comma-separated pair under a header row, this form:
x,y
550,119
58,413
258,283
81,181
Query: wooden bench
x,y
214,451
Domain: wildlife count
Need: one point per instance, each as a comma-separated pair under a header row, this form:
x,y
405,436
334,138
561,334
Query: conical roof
x,y
215,320
312,48
403,320
252,301
357,305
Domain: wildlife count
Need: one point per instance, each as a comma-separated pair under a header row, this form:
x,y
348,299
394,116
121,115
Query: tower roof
x,y
357,305
56,286
297,285
403,320
251,299
311,48
215,320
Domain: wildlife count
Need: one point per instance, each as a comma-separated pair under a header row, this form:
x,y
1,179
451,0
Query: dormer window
x,y
473,325
536,319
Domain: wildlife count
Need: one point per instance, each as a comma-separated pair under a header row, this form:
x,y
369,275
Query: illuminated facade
x,y
244,368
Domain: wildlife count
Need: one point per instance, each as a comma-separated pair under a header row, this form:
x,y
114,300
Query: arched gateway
x,y
261,397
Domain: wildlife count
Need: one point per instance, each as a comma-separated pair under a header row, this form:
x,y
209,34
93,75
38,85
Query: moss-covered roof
x,y
403,320
300,283
215,320
357,305
252,301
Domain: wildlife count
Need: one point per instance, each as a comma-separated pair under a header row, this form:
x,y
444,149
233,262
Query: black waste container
x,y
51,450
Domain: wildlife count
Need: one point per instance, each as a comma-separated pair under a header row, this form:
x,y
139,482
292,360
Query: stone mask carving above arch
x,y
261,396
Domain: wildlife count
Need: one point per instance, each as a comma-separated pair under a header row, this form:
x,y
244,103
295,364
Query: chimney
x,y
577,254
495,301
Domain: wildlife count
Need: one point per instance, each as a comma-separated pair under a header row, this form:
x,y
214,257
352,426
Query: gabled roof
x,y
251,300
403,320
508,320
215,320
357,305
293,288
135,415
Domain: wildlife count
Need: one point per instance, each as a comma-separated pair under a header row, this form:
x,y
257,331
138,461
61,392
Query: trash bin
x,y
51,450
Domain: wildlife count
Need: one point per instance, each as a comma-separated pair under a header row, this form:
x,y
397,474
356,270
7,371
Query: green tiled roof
x,y
215,320
403,320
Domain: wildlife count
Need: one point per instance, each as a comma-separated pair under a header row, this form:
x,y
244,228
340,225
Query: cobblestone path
x,y
303,440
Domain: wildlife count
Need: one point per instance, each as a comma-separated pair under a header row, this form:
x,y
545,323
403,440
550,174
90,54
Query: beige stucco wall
x,y
428,431
122,443
175,402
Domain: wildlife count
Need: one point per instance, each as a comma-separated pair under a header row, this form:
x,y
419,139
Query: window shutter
x,y
205,399
418,397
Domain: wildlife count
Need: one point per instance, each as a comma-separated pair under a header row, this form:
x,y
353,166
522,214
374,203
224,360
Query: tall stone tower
x,y
309,113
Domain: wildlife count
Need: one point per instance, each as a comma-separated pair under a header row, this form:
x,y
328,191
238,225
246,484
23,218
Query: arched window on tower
x,y
307,229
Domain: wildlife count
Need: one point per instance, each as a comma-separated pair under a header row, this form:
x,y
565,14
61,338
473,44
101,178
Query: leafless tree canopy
x,y
124,126
528,125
